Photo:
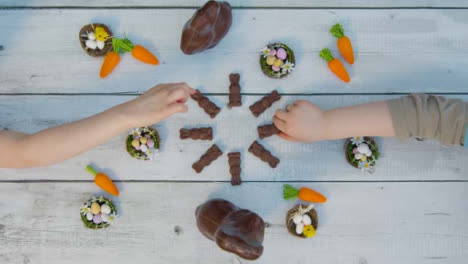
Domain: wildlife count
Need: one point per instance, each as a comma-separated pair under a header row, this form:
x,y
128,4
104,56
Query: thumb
x,y
287,137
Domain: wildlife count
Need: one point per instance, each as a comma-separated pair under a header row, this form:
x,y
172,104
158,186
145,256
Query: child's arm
x,y
65,141
306,122
417,115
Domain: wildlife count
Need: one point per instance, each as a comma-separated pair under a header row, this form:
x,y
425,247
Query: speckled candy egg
x,y
97,219
135,143
105,218
150,143
281,54
143,140
278,63
144,148
276,69
89,216
363,148
270,60
95,208
105,209
355,151
272,52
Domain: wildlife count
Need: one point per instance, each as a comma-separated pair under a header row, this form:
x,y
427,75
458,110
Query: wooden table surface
x,y
414,209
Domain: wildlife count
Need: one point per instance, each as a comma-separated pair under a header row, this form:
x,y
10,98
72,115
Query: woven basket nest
x,y
348,141
292,227
91,224
96,52
138,154
266,69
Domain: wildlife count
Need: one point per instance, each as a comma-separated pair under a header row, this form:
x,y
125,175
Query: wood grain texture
x,y
234,130
360,223
235,3
396,51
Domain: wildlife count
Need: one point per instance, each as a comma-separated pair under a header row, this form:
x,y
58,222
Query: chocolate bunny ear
x,y
206,28
236,230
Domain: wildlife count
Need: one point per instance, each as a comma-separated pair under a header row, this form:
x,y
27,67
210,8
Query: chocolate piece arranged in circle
x,y
202,133
267,131
235,98
206,28
236,230
210,155
258,150
209,107
263,104
235,168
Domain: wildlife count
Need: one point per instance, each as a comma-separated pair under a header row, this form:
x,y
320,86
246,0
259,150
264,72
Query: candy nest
x,y
305,216
277,60
143,143
96,39
98,213
362,153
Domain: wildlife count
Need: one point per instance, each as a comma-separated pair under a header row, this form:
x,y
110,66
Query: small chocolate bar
x,y
258,150
210,155
267,131
263,104
210,108
202,133
235,98
235,168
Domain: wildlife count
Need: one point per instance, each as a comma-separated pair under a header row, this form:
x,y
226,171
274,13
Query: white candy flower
x,y
135,132
265,52
357,140
366,166
287,67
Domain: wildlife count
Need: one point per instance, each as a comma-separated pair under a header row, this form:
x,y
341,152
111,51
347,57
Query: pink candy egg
x,y
272,52
281,54
355,151
150,143
276,69
97,219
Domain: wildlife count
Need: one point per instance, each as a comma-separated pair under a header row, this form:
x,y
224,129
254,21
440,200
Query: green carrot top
x,y
122,45
91,170
326,55
289,192
337,31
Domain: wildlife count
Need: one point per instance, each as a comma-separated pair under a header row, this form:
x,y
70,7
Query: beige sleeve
x,y
430,116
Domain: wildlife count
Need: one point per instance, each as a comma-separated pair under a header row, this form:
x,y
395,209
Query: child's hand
x,y
302,121
157,104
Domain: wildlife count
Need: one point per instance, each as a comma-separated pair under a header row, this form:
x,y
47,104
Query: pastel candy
x,y
281,54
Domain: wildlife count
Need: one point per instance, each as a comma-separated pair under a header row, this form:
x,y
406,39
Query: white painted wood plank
x,y
396,51
235,3
361,223
234,130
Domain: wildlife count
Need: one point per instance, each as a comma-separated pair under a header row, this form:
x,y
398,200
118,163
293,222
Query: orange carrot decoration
x,y
103,181
343,43
304,194
111,61
142,54
139,52
335,65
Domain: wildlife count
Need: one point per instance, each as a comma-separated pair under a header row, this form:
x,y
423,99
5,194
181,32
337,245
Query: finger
x,y
178,94
287,137
186,87
280,124
281,114
176,108
290,107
